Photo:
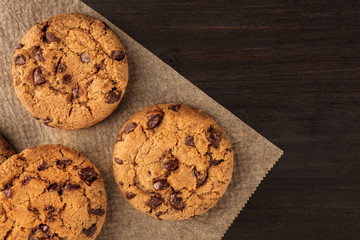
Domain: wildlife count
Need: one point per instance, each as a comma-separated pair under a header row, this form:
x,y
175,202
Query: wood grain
x,y
290,70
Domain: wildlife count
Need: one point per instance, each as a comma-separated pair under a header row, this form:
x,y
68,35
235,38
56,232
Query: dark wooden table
x,y
291,71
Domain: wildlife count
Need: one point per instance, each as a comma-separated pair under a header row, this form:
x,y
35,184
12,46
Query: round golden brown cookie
x,y
6,150
70,71
51,192
172,161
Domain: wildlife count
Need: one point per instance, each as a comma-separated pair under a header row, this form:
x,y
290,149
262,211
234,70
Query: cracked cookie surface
x,y
50,192
6,150
172,161
70,71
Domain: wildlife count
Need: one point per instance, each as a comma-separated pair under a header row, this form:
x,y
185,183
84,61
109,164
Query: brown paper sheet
x,y
151,81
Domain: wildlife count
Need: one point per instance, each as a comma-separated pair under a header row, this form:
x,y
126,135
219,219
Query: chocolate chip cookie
x,y
172,161
6,150
51,192
70,71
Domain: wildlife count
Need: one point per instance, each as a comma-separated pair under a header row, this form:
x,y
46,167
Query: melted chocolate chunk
x,y
119,161
26,180
170,163
130,195
20,59
161,185
113,96
84,58
175,108
61,68
213,138
66,79
42,166
90,231
63,163
38,56
88,175
118,55
130,128
189,140
176,202
7,191
154,120
97,212
39,79
200,179
154,202
50,37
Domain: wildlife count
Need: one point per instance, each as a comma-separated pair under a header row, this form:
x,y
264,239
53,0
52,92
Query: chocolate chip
x,y
154,202
63,163
46,26
130,128
50,209
119,161
118,55
200,179
44,228
213,138
42,166
70,186
26,180
189,140
97,212
53,187
38,76
213,161
19,46
113,96
33,209
40,232
66,79
20,59
38,56
176,202
50,37
47,121
170,163
8,191
130,195
90,231
161,184
158,214
61,68
154,120
175,107
88,175
84,58
75,93
97,67
121,183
